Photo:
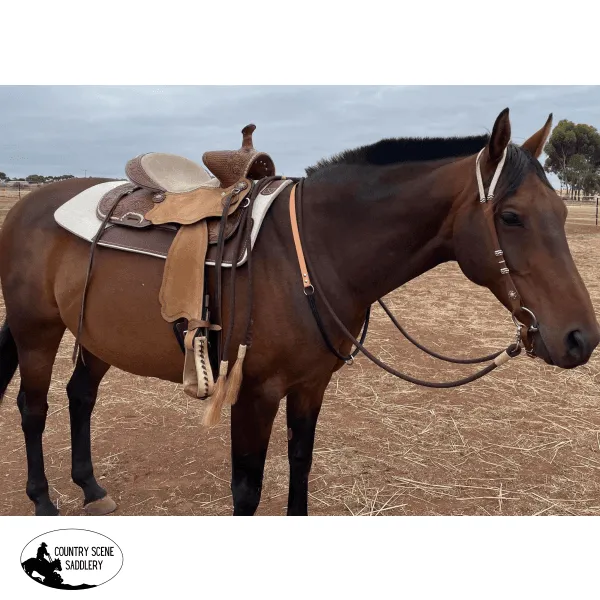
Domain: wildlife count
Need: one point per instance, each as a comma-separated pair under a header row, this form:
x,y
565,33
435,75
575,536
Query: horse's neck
x,y
369,235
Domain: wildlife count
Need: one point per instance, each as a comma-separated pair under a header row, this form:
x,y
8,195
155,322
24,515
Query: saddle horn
x,y
247,137
229,166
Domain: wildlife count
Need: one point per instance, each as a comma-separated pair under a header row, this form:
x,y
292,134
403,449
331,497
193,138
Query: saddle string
x,y
243,238
229,382
232,283
250,299
88,275
218,270
511,351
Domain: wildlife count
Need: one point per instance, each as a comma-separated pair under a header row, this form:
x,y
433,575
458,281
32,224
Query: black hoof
x,y
46,510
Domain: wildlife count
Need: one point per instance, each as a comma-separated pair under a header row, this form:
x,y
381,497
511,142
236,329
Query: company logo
x,y
71,559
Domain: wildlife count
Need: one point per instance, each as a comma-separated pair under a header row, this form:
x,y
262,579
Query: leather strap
x,y
88,275
513,297
457,361
299,252
511,351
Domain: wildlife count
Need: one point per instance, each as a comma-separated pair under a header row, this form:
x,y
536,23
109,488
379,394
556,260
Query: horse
x,y
373,218
45,568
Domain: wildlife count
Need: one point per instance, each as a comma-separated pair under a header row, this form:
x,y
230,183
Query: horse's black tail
x,y
9,358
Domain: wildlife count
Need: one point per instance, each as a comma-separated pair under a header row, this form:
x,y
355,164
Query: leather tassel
x,y
234,382
212,413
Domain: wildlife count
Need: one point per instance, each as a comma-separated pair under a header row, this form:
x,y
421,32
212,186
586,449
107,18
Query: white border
x,y
312,42
342,557
376,42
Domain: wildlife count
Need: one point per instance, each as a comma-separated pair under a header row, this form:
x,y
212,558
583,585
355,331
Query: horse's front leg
x,y
252,419
303,407
82,391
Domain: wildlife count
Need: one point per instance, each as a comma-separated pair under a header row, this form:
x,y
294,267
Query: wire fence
x,y
584,211
8,192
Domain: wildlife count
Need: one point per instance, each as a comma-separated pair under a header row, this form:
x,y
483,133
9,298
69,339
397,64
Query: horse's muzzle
x,y
575,350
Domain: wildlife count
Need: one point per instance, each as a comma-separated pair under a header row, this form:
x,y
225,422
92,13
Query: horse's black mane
x,y
391,151
397,150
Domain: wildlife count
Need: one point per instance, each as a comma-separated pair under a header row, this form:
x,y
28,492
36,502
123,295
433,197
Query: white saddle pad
x,y
78,215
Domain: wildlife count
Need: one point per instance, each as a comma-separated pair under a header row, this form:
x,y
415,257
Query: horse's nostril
x,y
576,344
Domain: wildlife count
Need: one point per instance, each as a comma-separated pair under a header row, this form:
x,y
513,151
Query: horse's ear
x,y
535,144
500,137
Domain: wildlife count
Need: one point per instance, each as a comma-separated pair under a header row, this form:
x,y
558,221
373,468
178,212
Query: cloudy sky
x,y
54,130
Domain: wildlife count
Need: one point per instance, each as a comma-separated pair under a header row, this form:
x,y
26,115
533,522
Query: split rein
x,y
311,285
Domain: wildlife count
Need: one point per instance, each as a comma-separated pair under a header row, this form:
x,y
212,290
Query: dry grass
x,y
7,198
523,441
582,213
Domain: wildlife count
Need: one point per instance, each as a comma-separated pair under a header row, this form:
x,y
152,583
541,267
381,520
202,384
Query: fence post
x,y
596,211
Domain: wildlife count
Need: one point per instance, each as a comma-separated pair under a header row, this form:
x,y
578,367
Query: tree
x,y
574,156
3,176
35,179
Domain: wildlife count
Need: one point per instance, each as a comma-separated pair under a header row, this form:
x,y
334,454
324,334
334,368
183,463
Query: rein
x,y
514,299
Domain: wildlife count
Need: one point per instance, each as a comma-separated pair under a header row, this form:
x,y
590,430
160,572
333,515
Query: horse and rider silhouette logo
x,y
45,570
71,559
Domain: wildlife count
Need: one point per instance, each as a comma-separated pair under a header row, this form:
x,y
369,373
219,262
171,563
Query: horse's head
x,y
529,219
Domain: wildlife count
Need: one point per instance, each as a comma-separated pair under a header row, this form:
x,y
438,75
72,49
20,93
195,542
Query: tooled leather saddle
x,y
171,204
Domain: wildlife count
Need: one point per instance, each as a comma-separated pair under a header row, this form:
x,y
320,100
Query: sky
x,y
95,130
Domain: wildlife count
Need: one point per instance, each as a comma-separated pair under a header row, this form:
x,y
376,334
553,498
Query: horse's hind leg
x,y
37,347
82,391
302,408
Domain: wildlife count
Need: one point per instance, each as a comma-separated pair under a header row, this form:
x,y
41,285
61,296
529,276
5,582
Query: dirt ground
x,y
523,441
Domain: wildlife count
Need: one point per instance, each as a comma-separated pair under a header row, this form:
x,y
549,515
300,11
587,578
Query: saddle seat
x,y
163,172
182,191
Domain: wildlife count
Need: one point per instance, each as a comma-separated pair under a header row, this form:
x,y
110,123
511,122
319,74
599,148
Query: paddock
x,y
523,441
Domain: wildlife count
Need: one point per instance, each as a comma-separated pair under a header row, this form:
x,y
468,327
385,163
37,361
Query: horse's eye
x,y
510,218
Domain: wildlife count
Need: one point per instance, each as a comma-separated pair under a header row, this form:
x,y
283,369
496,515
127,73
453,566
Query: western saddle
x,y
199,208
161,172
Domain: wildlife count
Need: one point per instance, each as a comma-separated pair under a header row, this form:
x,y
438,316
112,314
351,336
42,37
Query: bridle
x,y
523,332
513,296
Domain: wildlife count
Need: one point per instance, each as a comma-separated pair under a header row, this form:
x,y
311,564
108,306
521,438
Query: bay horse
x,y
373,218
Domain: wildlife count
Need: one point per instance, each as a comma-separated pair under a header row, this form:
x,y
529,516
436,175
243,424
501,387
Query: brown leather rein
x,y
514,299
